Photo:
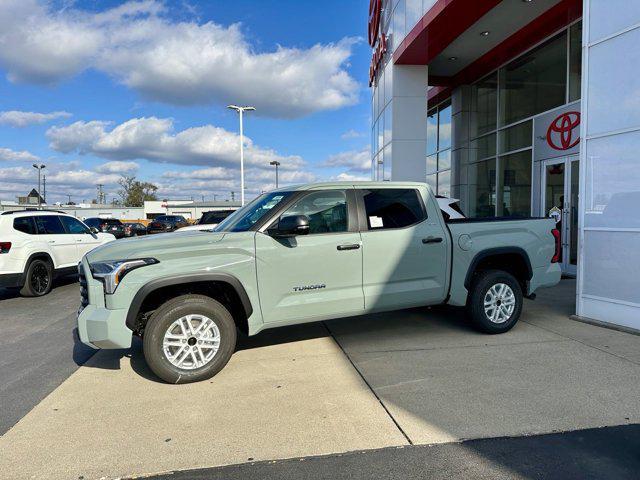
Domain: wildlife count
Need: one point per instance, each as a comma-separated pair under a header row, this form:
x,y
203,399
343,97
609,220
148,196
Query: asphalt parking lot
x,y
383,384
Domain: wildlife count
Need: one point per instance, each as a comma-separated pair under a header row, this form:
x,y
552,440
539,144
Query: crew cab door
x,y
63,245
317,275
405,249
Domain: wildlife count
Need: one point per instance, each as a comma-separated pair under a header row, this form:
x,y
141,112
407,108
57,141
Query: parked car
x,y
107,225
305,254
208,220
38,246
166,223
134,229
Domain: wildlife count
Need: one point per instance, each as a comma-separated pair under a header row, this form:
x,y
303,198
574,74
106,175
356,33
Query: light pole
x,y
39,167
276,164
240,111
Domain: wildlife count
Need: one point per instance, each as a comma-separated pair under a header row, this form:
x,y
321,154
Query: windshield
x,y
245,218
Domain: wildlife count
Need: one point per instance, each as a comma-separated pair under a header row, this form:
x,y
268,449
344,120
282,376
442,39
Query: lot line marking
x,y
367,384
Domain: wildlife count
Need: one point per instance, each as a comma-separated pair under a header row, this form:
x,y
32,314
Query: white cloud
x,y
348,177
17,118
350,134
354,160
9,155
182,63
75,136
62,179
153,139
117,166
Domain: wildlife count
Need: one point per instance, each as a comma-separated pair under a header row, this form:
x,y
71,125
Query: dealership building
x,y
521,108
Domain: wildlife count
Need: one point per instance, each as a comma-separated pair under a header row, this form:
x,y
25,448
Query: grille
x,y
84,292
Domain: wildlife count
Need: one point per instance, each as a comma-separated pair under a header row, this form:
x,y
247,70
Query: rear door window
x,y
25,225
388,208
49,225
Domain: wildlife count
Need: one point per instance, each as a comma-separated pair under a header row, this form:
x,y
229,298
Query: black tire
x,y
480,288
38,278
165,316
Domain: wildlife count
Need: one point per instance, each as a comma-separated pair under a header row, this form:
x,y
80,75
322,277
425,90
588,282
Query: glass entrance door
x,y
560,201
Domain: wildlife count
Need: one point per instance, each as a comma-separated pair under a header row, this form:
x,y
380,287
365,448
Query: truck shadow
x,y
448,318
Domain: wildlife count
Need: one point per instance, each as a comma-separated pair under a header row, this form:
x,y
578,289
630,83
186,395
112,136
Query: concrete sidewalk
x,y
417,376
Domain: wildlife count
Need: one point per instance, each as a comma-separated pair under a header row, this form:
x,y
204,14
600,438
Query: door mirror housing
x,y
291,226
94,230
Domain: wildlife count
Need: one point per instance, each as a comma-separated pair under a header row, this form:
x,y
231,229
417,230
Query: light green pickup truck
x,y
305,254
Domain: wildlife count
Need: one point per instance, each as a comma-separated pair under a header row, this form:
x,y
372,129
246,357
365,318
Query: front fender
x,y
142,293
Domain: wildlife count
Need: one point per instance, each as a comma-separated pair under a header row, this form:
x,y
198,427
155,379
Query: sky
x,y
97,89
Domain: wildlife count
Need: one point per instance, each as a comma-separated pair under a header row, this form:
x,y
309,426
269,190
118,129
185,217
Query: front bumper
x,y
100,327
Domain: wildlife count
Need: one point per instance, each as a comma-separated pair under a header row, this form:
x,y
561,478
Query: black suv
x,y
166,223
107,225
214,217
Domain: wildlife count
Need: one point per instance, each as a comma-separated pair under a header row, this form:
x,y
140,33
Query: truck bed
x,y
475,237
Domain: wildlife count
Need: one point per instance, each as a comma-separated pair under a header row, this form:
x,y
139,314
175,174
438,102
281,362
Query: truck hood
x,y
162,246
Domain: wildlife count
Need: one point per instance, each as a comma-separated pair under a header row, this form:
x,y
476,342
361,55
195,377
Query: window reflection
x,y
535,82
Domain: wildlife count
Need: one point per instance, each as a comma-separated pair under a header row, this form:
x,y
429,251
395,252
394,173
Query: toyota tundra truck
x,y
305,254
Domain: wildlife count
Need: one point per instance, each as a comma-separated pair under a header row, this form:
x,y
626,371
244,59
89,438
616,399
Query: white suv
x,y
38,245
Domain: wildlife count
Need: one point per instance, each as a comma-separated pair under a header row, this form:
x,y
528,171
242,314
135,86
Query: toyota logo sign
x,y
560,134
375,11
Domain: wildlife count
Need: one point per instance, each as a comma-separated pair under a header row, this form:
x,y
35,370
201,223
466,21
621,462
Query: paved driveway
x,y
412,377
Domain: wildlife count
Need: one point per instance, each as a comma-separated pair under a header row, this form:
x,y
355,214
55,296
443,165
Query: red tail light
x,y
5,247
556,236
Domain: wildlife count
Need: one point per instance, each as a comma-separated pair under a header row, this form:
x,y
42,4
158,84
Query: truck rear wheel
x,y
495,301
189,338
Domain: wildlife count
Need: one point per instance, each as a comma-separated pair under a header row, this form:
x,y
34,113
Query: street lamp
x,y
39,167
276,164
241,110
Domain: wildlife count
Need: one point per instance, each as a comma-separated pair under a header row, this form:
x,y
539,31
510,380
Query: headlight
x,y
111,273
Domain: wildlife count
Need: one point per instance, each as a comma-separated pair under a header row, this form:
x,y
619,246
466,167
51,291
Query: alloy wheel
x,y
191,341
499,303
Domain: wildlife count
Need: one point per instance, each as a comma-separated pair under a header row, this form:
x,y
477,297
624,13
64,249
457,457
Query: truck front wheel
x,y
189,338
495,301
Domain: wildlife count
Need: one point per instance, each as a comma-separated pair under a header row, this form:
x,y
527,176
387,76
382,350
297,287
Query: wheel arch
x,y
194,283
501,258
41,255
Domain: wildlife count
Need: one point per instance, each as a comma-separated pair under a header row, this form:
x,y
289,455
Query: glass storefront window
x,y
535,82
575,61
514,198
387,125
483,147
398,23
388,162
444,183
432,131
444,126
485,108
516,137
431,181
432,163
444,160
482,189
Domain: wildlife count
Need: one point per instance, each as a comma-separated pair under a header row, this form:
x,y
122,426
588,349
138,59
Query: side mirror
x,y
94,230
292,226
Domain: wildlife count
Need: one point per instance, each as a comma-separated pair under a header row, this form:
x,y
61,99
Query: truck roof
x,y
359,184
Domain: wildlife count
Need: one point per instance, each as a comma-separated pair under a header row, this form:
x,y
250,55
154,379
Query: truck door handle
x,y
432,240
349,246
